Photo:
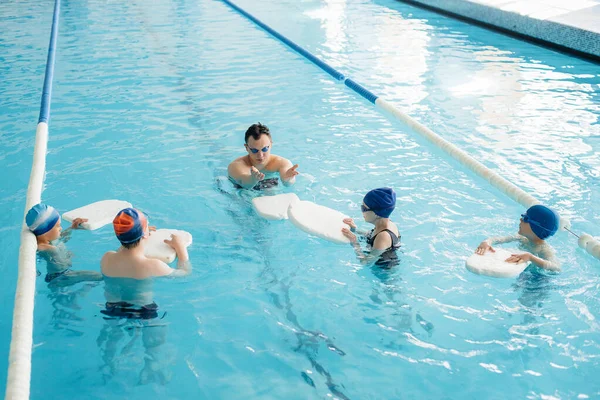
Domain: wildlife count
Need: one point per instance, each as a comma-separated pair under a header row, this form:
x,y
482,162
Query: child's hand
x,y
483,247
151,229
77,222
176,242
519,258
346,232
350,222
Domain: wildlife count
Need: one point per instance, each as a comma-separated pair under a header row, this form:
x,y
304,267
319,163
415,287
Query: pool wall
x,y
565,28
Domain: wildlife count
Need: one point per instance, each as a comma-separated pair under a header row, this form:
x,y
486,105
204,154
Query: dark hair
x,y
256,130
131,245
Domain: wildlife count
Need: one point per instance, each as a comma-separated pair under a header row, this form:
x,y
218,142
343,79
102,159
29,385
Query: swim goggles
x,y
254,151
364,208
530,221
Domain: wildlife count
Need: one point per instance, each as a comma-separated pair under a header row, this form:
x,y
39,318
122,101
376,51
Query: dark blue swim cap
x,y
381,201
544,222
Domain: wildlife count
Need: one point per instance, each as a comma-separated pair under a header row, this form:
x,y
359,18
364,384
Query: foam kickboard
x,y
157,248
318,220
98,214
493,264
274,207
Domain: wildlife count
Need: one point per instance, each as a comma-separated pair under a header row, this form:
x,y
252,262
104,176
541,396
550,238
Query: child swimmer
x,y
44,222
384,239
536,225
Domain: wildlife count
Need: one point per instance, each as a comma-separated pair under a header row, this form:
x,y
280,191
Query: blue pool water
x,y
150,104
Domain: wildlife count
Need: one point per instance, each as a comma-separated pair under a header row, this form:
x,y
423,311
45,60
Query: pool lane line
x,y
19,360
585,241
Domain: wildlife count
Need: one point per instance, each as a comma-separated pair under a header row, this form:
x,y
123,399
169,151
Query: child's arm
x,y
365,259
184,266
487,243
65,235
551,264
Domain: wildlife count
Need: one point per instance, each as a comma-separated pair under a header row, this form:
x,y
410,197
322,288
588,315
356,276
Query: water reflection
x,y
308,342
66,307
119,341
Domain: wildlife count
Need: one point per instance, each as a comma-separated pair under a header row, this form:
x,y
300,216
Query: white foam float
x,y
493,264
97,214
318,220
274,207
157,248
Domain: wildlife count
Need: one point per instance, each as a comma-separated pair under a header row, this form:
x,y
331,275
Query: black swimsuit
x,y
123,309
388,258
52,276
267,183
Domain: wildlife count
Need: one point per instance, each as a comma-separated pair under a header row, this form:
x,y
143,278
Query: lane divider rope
x,y
585,241
18,380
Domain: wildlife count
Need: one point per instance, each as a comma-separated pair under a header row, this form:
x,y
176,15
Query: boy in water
x,y
128,278
128,272
537,224
249,171
44,221
384,239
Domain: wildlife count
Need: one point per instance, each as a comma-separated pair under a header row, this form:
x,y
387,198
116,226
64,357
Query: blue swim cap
x,y
41,218
381,201
544,222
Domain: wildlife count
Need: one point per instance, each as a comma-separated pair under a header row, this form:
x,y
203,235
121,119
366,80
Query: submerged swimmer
x,y
44,222
128,273
536,225
384,239
249,171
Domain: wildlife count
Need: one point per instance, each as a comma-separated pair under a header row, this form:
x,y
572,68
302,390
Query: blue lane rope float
x,y
49,76
586,241
361,90
323,65
18,380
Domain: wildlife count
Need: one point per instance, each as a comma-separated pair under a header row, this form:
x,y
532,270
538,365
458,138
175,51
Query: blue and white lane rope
x,y
19,360
586,241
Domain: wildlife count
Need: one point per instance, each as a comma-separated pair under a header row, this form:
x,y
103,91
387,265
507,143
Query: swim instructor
x,y
258,169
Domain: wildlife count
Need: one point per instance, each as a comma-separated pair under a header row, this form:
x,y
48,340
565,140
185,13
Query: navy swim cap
x,y
381,201
544,222
130,225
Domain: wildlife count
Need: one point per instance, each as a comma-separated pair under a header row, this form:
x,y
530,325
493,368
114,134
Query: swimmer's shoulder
x,y
46,248
106,262
238,168
279,160
382,241
394,228
240,161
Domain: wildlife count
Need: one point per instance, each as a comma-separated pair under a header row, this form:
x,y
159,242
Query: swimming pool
x,y
269,311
